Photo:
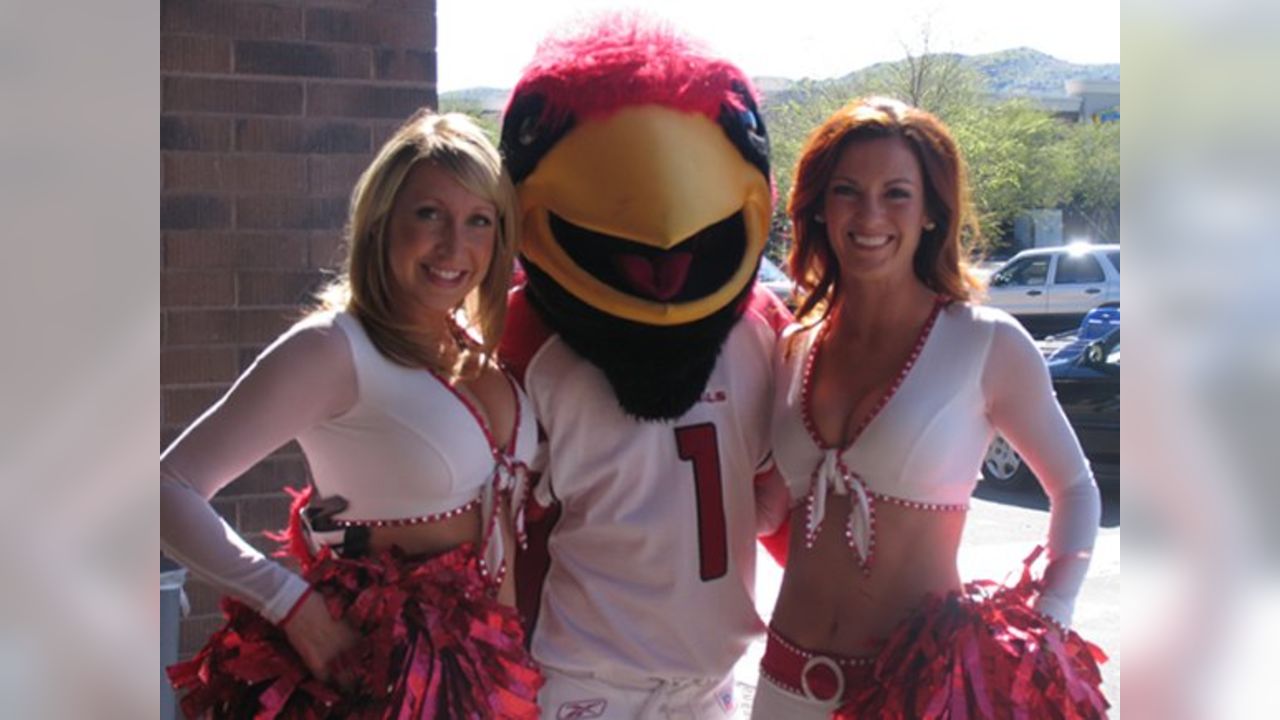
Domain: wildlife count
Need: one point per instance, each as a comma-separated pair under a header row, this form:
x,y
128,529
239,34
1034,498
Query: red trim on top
x,y
471,408
515,428
806,386
767,305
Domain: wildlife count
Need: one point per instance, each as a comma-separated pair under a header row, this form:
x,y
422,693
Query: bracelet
x,y
294,610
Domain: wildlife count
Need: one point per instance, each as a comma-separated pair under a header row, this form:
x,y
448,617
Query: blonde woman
x,y
416,441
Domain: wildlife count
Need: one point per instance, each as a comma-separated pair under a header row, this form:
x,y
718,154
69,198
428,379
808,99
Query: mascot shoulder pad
x,y
525,333
767,305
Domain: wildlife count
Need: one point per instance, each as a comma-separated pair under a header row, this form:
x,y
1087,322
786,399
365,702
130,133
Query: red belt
x,y
813,675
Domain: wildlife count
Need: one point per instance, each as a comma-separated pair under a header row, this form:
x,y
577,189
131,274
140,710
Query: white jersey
x,y
652,558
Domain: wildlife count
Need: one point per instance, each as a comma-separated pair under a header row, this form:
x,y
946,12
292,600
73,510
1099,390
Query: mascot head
x,y
641,162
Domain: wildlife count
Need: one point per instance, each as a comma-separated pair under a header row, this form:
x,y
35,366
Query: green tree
x,y
1092,152
940,82
489,122
1017,161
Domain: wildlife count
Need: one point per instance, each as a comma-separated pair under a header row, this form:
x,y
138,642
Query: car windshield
x,y
769,272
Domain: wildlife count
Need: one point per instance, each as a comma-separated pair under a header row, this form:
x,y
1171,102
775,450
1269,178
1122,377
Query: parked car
x,y
1050,289
1087,384
1097,323
776,281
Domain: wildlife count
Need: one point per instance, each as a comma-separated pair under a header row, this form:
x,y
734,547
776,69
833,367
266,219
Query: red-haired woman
x,y
887,396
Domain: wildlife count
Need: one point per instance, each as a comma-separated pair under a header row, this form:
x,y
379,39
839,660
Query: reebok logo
x,y
582,709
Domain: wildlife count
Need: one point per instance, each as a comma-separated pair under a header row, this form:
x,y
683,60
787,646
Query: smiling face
x,y
440,243
874,210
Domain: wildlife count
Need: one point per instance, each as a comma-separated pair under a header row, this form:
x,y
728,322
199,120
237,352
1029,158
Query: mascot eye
x,y
750,121
528,131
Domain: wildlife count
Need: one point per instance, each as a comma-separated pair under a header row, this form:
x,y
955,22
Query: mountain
x,y
1021,72
1027,72
485,99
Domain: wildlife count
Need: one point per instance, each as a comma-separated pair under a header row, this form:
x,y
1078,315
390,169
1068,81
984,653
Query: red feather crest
x,y
597,66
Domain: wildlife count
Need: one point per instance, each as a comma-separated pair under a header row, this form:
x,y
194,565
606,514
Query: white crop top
x,y
973,371
399,444
411,447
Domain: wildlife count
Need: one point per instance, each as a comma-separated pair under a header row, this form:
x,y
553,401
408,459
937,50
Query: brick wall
x,y
269,111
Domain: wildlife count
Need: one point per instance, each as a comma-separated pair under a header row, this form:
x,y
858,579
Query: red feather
x,y
590,69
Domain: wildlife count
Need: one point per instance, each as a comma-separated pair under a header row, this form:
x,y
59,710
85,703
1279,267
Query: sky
x,y
487,43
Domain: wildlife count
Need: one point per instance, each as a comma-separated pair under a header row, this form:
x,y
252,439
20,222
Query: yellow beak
x,y
650,175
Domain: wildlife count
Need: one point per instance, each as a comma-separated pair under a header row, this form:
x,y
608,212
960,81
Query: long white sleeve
x,y
1022,407
305,377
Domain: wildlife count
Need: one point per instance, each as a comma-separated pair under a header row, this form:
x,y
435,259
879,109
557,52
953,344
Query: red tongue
x,y
658,278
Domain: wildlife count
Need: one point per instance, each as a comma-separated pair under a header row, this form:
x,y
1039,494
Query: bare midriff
x,y
429,538
829,604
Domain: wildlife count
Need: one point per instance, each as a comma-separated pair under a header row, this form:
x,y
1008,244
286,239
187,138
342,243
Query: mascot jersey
x,y
652,547
641,165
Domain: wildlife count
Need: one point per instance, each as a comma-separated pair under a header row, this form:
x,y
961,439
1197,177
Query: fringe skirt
x,y
434,643
983,653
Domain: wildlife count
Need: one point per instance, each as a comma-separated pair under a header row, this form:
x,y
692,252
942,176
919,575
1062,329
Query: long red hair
x,y
941,261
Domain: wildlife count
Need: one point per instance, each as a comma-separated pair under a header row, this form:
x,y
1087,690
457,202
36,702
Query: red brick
x,y
235,174
264,513
298,136
284,213
264,325
234,19
197,289
218,95
276,288
407,64
298,59
366,101
195,631
246,354
196,249
385,5
268,174
195,53
327,251
268,547
168,435
269,477
199,327
182,405
383,130
291,465
334,174
187,172
182,366
272,250
203,597
194,133
371,27
194,212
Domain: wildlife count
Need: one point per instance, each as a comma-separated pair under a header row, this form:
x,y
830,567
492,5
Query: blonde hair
x,y
454,143
940,260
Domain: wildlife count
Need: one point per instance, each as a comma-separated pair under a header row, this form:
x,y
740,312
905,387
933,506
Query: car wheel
x,y
1004,468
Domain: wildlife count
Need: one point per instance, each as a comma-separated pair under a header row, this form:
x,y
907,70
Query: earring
x,y
929,226
817,217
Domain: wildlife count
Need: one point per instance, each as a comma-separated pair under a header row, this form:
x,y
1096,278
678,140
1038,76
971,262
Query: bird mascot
x,y
641,163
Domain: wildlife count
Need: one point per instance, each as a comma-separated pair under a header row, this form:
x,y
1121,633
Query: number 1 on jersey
x,y
697,444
